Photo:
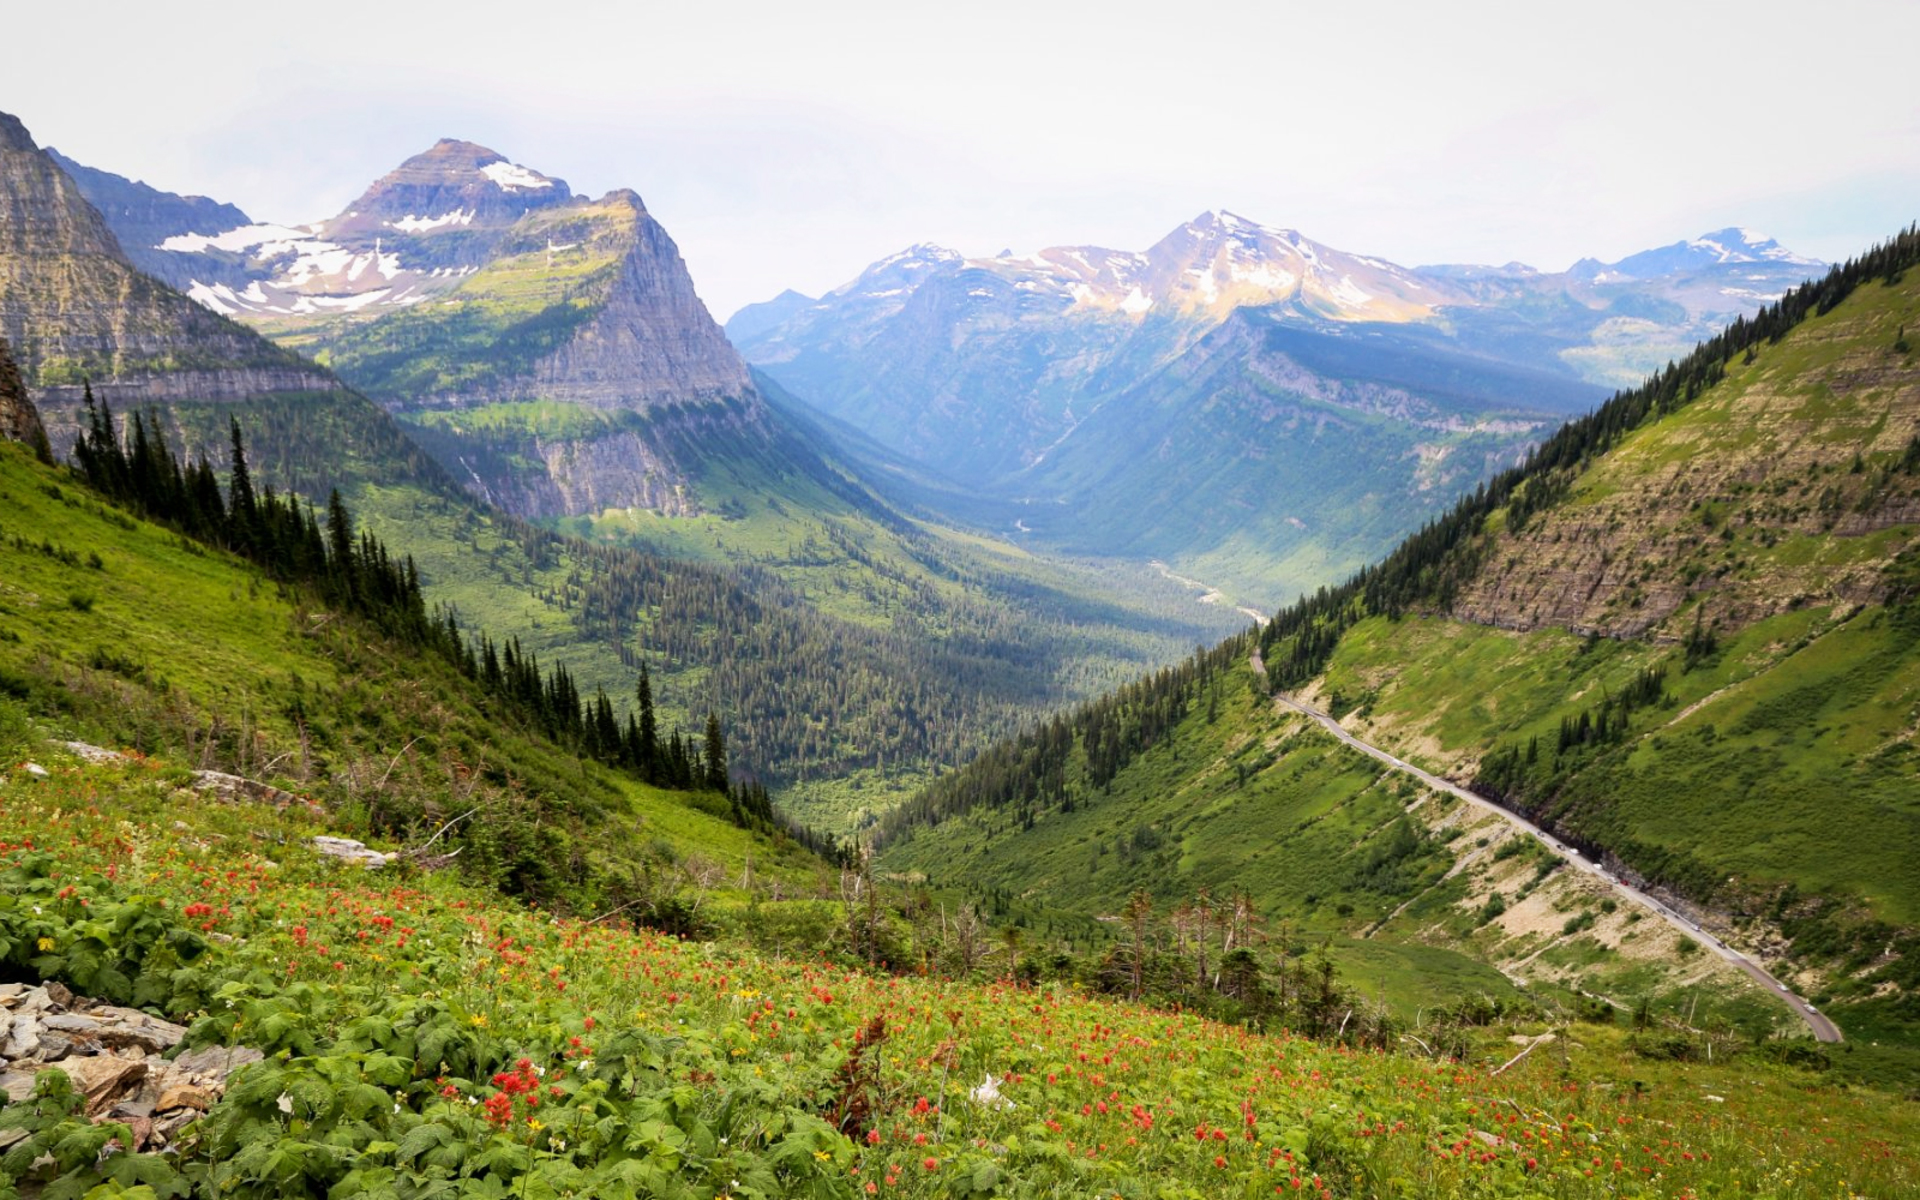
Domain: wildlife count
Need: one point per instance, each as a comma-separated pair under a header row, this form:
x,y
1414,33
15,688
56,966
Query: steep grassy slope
x,y
121,633
1786,484
1770,526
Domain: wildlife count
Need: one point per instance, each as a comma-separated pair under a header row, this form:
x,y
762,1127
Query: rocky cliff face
x,y
75,309
631,461
652,340
19,419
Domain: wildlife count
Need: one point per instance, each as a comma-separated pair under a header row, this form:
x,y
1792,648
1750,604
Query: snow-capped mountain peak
x,y
1722,247
387,249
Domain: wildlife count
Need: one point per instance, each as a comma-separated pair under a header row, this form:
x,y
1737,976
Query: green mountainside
x,y
125,634
1683,637
454,1019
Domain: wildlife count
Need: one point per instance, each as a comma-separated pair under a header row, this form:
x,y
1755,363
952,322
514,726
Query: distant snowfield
x,y
233,241
514,178
413,224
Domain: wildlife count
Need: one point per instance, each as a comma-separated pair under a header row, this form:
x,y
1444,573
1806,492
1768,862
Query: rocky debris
x,y
103,1078
114,1057
119,1028
35,769
348,850
91,753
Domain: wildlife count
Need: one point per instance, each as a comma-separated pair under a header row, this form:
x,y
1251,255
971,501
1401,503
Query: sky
x,y
788,145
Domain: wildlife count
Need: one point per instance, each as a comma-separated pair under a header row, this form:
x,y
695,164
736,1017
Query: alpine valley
x,y
1237,718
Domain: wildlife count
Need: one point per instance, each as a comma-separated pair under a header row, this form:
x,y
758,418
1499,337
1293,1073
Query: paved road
x,y
1823,1029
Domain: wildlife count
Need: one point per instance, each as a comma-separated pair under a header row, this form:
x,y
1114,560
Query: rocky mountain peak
x,y
75,310
14,135
452,183
41,210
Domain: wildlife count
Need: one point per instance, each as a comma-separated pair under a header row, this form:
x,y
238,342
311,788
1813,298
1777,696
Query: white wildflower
x,y
987,1095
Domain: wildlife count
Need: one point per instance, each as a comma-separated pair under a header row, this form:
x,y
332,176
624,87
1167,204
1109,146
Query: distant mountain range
x,y
1256,406
1239,401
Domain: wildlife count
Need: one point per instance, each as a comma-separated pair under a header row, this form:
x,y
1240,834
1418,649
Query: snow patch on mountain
x,y
514,178
413,224
1347,293
1266,275
233,241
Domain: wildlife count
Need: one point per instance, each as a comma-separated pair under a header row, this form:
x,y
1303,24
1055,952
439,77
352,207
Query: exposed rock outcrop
x,y
113,1057
652,342
1693,513
19,419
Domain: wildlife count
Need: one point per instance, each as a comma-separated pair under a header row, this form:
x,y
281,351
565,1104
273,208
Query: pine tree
x,y
647,753
242,505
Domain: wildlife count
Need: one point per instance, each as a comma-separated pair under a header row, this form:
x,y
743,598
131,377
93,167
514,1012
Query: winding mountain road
x,y
1823,1029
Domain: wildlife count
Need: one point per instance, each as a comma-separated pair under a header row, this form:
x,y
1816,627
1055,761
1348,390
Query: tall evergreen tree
x,y
242,504
647,754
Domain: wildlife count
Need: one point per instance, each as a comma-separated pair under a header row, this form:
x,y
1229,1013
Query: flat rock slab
x,y
217,1062
348,850
185,1095
17,1085
119,1028
23,1037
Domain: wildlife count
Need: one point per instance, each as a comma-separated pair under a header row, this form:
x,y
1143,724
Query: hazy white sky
x,y
789,144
